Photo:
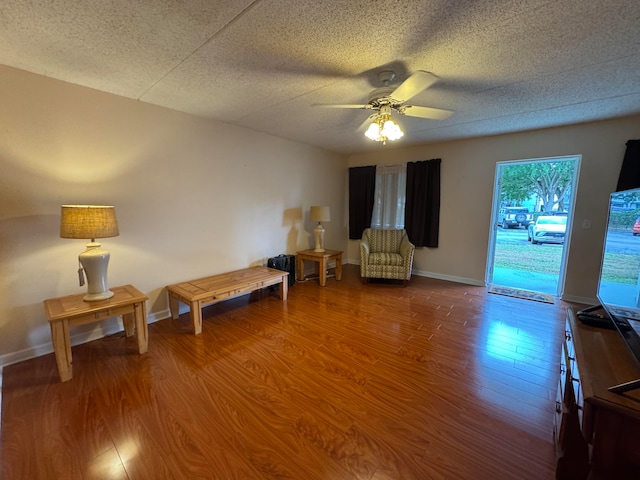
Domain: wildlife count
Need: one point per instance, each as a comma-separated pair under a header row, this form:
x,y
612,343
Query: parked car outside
x,y
548,229
636,227
514,217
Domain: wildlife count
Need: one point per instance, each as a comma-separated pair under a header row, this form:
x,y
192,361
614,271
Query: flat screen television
x,y
619,281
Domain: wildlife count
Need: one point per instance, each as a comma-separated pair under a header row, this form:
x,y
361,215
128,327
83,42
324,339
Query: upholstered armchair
x,y
386,254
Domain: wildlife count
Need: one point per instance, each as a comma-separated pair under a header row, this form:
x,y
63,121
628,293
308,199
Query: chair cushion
x,y
385,240
385,258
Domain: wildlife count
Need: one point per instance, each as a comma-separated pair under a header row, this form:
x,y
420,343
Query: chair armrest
x,y
406,247
364,258
364,248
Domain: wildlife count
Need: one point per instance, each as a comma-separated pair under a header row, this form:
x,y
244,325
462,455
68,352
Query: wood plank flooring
x,y
371,382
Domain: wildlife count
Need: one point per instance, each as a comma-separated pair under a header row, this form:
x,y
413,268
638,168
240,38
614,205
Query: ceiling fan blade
x,y
426,112
335,105
413,85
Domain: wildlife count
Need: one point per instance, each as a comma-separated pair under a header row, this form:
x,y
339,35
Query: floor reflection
x,y
515,363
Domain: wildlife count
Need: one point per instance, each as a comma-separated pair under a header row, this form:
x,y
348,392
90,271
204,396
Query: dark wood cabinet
x,y
597,432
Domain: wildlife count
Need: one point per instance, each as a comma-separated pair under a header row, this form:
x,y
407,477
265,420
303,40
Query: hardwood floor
x,y
433,381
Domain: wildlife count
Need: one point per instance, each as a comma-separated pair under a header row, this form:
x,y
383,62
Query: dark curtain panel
x,y
630,172
362,185
422,210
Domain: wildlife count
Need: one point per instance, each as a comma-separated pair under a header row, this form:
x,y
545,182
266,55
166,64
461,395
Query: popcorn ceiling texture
x,y
503,66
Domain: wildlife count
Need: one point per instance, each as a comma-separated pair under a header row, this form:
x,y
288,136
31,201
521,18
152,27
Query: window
x,y
390,197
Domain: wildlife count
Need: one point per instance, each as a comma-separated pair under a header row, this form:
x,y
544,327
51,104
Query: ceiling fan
x,y
388,99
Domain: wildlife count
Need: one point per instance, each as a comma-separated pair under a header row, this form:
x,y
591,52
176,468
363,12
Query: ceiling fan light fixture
x,y
388,98
383,128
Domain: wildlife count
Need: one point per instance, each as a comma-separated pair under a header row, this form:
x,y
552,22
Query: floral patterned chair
x,y
386,254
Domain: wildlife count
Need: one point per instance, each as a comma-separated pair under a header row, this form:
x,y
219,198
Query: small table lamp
x,y
90,222
319,214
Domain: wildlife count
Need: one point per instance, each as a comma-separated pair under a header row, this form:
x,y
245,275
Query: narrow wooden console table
x,y
64,312
209,290
597,431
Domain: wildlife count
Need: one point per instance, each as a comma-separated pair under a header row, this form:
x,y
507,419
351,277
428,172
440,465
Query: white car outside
x,y
548,229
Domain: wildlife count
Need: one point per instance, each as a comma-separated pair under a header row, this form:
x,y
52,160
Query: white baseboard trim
x,y
107,328
477,283
437,276
449,278
156,317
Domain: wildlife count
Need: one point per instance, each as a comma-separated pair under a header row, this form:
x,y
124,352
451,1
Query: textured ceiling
x,y
504,66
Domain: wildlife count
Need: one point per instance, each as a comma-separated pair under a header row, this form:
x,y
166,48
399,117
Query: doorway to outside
x,y
533,205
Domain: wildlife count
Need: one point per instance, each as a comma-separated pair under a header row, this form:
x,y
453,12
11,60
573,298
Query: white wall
x,y
197,197
193,197
468,171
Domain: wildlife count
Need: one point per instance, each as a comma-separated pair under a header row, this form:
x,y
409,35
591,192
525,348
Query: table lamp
x,y
90,222
319,214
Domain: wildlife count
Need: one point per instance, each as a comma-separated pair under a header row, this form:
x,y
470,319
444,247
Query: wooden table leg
x,y
196,317
339,267
284,288
174,306
323,271
142,332
62,348
300,265
129,324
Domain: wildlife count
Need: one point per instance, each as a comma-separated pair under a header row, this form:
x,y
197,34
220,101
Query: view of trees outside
x,y
541,186
549,181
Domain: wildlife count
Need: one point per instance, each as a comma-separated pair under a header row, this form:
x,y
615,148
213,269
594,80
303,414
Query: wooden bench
x,y
209,290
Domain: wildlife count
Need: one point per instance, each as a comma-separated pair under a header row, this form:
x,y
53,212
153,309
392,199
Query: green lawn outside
x,y
621,268
531,258
618,267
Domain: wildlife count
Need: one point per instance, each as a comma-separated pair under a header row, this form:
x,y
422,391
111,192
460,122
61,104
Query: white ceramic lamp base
x,y
319,234
95,261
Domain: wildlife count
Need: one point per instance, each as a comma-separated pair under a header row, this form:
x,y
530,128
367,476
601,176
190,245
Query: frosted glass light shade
x,y
391,130
373,132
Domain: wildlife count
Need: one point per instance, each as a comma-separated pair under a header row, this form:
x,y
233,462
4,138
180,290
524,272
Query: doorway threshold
x,y
520,293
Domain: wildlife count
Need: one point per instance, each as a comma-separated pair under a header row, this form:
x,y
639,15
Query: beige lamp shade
x,y
320,214
88,222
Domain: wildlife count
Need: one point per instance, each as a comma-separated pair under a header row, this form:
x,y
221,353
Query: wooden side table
x,y
70,311
321,260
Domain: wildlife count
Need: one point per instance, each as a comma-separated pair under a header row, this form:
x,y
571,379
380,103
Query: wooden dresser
x,y
597,432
